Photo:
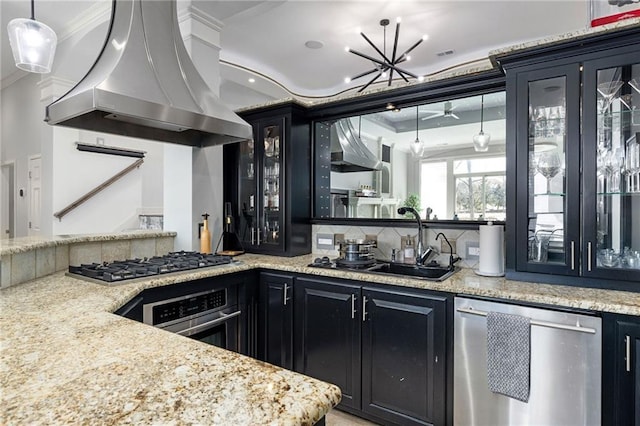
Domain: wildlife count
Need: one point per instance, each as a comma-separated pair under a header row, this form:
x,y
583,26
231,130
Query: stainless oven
x,y
210,316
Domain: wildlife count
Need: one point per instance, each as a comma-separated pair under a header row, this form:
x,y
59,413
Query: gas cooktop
x,y
117,271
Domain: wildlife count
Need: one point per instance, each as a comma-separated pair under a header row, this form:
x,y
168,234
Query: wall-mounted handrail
x,y
97,189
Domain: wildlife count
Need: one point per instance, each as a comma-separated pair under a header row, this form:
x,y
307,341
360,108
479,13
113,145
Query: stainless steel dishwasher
x,y
565,368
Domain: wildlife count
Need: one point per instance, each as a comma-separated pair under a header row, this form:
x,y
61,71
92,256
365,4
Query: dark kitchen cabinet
x,y
268,182
386,350
276,319
327,335
621,371
574,187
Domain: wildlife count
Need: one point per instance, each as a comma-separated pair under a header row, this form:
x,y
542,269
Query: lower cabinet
x,y
386,350
275,315
621,370
327,335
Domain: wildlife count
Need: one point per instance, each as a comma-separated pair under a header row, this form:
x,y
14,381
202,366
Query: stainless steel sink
x,y
431,273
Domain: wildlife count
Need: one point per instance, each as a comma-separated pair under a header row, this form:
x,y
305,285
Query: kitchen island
x,y
66,358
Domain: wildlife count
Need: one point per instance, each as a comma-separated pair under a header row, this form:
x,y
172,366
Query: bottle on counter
x,y
409,251
205,236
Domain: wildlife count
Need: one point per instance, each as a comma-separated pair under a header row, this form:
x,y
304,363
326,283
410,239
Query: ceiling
x,y
266,39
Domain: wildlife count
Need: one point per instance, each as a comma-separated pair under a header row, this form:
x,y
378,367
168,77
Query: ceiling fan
x,y
447,111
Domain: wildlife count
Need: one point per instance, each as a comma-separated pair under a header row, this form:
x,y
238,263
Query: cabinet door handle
x,y
573,255
627,352
284,295
258,235
353,306
364,308
253,236
589,256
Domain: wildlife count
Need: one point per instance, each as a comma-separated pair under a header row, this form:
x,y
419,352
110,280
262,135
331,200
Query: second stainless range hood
x,y
348,152
144,85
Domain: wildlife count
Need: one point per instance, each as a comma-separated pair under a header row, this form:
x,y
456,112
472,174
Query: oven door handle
x,y
223,317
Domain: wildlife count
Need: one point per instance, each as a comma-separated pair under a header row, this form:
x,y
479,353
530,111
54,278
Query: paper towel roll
x,y
491,250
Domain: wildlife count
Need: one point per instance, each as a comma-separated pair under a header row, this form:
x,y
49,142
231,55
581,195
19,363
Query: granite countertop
x,y
66,358
466,282
24,244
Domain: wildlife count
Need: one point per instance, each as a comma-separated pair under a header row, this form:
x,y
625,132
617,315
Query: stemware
x,y
549,165
541,122
635,84
608,91
632,166
612,165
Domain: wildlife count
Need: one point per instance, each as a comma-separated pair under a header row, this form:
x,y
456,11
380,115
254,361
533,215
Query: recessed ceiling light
x,y
252,80
314,44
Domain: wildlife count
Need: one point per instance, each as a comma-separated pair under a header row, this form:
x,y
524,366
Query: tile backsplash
x,y
389,238
24,266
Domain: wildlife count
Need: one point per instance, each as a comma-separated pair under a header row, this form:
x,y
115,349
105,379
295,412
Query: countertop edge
x,y
25,244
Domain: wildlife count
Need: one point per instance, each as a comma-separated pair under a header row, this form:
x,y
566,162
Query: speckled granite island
x,y
66,358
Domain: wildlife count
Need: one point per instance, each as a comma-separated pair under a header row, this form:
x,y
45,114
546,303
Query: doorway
x,y
35,194
7,201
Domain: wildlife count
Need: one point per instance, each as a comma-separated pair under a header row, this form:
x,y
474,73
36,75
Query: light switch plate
x,y
325,241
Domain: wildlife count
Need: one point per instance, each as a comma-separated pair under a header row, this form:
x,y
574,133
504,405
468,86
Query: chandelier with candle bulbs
x,y
385,66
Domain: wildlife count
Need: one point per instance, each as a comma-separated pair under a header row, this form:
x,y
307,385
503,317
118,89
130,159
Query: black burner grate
x,y
138,268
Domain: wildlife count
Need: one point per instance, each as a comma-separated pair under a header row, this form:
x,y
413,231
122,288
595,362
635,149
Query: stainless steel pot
x,y
356,250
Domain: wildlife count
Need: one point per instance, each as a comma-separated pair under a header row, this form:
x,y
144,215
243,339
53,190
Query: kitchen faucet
x,y
452,260
421,254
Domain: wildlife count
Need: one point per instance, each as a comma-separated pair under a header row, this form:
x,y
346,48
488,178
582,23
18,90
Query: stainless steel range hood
x,y
144,85
348,152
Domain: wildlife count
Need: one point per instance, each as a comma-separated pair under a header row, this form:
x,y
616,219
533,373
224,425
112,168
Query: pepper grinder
x,y
205,236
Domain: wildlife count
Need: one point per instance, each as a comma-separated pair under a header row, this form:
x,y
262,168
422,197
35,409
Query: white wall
x,y
400,165
68,173
116,207
22,127
178,190
207,190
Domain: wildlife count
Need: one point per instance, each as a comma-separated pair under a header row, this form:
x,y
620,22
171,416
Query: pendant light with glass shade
x,y
33,43
481,140
417,146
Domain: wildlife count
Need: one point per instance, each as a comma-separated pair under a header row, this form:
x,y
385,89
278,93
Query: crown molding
x,y
52,88
89,19
199,25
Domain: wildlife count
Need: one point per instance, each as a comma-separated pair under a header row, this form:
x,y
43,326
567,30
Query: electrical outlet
x,y
444,247
371,239
472,250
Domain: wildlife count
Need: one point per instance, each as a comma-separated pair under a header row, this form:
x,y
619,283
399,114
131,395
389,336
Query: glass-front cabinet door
x,y
548,156
247,192
271,222
611,191
261,224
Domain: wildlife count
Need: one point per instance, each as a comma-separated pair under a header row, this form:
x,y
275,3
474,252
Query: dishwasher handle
x,y
548,324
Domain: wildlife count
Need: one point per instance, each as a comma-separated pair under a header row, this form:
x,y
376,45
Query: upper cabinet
x,y
611,158
267,181
574,193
